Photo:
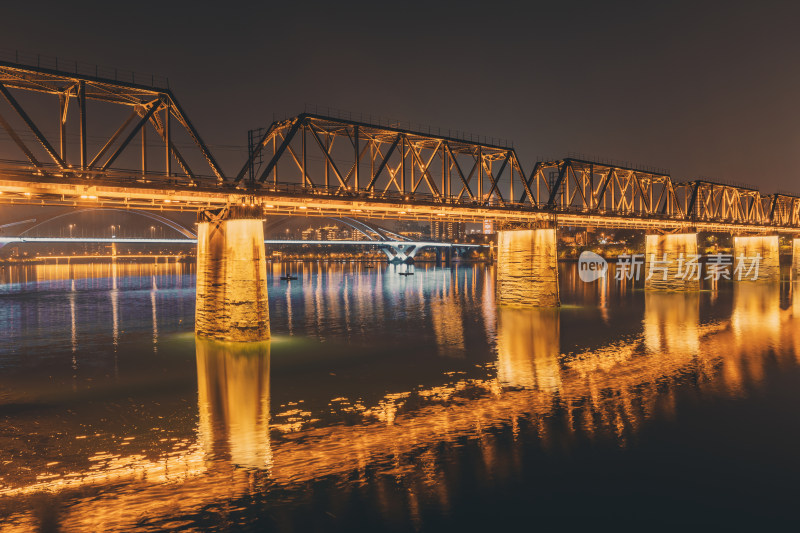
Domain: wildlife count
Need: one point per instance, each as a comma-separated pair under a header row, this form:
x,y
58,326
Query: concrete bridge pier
x,y
527,268
231,276
671,262
795,275
761,248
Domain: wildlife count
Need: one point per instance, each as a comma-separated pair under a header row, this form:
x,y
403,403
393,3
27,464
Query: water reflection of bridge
x,y
606,391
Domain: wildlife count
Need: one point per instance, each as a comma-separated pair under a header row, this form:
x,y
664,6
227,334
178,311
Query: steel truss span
x,y
146,108
317,165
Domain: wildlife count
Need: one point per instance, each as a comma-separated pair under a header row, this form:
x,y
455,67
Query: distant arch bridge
x,y
398,248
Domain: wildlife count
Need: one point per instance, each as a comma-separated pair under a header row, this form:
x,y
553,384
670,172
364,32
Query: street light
x,y
71,227
113,231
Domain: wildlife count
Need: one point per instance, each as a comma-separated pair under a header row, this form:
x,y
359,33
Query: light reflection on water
x,y
233,401
394,388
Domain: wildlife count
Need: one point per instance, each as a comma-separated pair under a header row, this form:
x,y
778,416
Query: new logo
x,y
591,267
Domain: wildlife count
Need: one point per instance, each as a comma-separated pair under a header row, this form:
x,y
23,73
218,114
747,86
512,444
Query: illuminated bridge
x,y
396,251
398,248
317,165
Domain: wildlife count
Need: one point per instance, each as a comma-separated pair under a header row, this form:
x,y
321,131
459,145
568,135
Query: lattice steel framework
x,y
585,186
343,164
325,156
708,201
151,105
331,156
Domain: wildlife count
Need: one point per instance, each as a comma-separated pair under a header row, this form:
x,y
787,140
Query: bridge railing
x,y
72,66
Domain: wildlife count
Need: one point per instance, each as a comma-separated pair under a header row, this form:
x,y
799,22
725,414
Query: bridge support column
x,y
746,249
796,260
527,268
668,258
231,276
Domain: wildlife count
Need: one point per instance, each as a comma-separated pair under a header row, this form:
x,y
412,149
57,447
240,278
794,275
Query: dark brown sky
x,y
706,89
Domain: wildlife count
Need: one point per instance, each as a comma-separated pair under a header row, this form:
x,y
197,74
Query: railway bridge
x,y
335,166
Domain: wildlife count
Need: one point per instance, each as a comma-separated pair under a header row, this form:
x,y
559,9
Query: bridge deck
x,y
16,188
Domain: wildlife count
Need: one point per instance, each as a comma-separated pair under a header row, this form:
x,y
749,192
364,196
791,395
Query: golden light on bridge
x,y
527,269
673,254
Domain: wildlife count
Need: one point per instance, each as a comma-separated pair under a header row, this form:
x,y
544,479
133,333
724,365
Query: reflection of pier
x,y
233,401
528,348
611,389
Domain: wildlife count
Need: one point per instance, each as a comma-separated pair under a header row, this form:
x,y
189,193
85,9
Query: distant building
x,y
442,230
326,233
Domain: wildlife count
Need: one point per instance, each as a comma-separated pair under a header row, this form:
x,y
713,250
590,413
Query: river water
x,y
397,403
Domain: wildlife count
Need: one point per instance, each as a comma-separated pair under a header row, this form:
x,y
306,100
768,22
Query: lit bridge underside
x,y
323,166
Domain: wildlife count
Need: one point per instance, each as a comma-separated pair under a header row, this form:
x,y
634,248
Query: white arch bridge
x,y
398,248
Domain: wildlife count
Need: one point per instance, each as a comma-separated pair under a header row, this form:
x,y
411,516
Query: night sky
x,y
704,90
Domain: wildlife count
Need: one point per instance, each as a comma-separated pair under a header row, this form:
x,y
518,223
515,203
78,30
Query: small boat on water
x,y
288,278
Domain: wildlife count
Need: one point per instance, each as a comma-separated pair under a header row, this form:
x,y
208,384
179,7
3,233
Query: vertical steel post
x,y
303,139
62,125
82,107
144,150
372,161
327,161
510,158
444,173
413,170
275,151
168,140
355,146
403,165
480,175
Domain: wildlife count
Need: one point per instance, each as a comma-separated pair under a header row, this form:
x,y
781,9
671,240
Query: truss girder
x,y
338,157
139,99
317,155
